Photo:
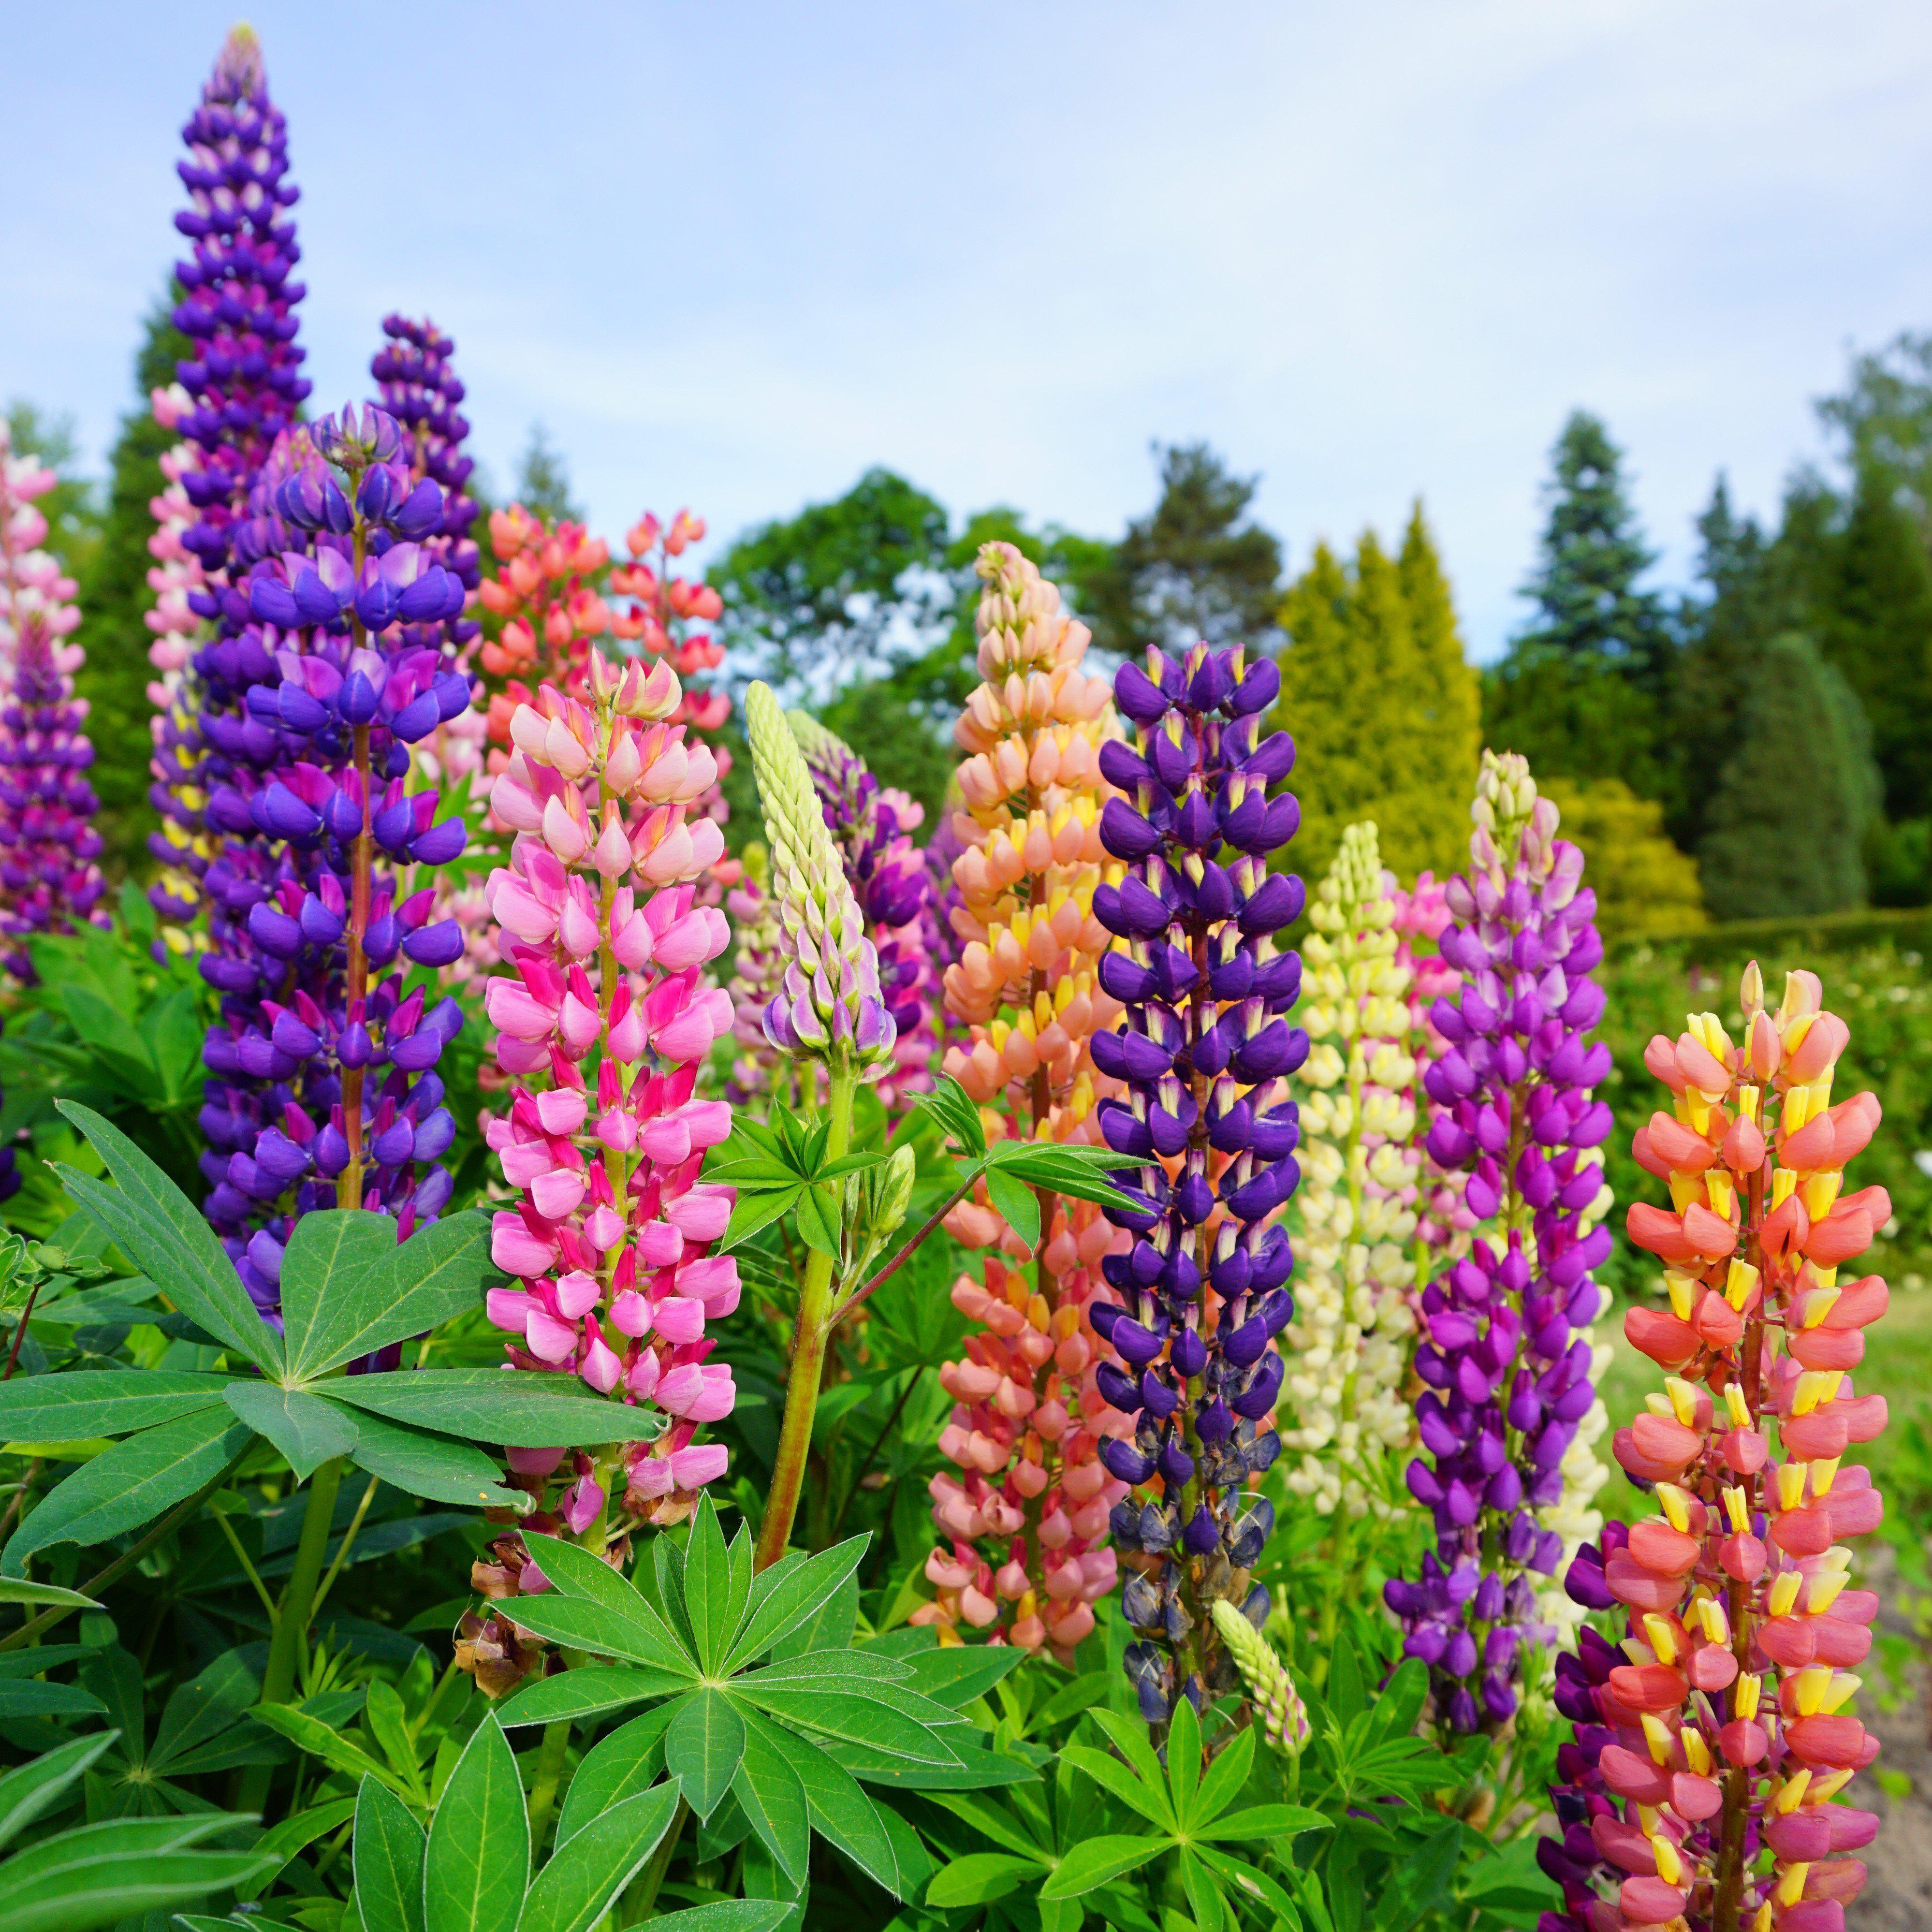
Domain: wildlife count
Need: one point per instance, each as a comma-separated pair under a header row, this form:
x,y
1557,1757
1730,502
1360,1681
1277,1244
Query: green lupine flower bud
x,y
830,1007
1284,1719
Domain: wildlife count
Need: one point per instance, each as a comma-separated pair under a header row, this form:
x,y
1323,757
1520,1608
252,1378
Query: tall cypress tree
x,y
1581,690
1878,632
1369,693
1793,804
114,597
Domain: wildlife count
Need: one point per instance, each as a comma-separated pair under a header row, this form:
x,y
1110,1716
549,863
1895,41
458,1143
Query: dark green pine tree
x,y
1582,690
114,597
1787,827
1878,632
1197,565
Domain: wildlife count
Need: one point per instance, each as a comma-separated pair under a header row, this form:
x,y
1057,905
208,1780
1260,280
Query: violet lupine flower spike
x,y
831,1007
243,386
1205,1050
872,826
48,877
1509,1407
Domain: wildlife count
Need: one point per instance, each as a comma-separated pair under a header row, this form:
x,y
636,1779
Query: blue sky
x,y
731,255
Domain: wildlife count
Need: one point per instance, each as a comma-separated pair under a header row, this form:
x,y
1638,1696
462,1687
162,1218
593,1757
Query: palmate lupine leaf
x,y
348,1288
770,1733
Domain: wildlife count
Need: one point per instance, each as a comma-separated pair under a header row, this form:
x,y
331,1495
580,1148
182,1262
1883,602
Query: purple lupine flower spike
x,y
1205,1052
244,386
1509,1407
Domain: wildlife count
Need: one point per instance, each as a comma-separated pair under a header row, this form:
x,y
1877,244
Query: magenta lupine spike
x,y
1506,1353
604,1022
48,877
243,386
872,826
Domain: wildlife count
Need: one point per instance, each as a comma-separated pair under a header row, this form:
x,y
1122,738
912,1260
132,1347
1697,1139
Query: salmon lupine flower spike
x,y
1724,1726
1507,1357
1349,1342
872,827
1209,1128
603,1025
1026,1517
48,881
546,591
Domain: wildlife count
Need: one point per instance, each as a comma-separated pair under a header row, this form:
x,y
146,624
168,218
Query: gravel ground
x,y
1898,1896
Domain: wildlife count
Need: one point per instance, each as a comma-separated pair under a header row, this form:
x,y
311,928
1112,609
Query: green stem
x,y
549,1771
123,1563
814,1323
342,1553
644,1887
905,1254
292,1622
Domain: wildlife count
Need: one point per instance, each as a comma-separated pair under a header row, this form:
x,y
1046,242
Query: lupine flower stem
x,y
813,1325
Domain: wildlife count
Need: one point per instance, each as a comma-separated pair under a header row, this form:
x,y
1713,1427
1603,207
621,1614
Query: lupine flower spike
x,y
603,1023
49,879
1026,1518
1349,1342
1270,1689
1507,1359
240,389
1721,1727
887,872
1209,1131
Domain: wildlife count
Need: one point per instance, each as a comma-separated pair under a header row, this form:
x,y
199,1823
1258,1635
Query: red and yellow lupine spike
x,y
1730,1710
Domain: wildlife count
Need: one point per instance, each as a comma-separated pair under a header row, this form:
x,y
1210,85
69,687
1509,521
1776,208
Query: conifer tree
x,y
114,599
1369,693
1788,823
1582,688
1878,632
1643,883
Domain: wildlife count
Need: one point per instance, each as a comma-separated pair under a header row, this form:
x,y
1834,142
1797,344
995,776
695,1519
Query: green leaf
x,y
580,1625
962,1673
1225,1777
493,1405
818,1220
1203,1896
785,1596
1130,1739
106,1885
130,1485
1346,1697
631,1760
1015,1202
948,1104
1111,1774
1263,1822
846,1817
203,1708
294,1834
1184,1759
154,1225
990,1821
28,1697
707,1584
576,1888
438,1468
388,1849
308,1732
857,1712
28,1789
827,1628
702,1748
738,1915
79,1403
17,1590
350,1287
978,1878
972,1769
588,1693
769,1791
1093,1862
384,1718
478,1862
307,1430
752,1212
